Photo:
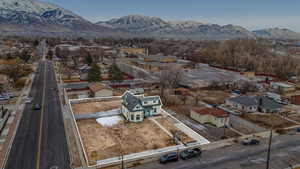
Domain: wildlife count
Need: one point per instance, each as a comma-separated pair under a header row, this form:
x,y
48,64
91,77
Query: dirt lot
x,y
267,121
214,96
167,123
92,107
104,142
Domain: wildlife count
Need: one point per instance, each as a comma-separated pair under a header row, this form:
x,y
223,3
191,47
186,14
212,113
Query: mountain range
x,y
33,17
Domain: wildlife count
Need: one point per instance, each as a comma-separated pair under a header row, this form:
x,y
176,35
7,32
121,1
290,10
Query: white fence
x,y
142,155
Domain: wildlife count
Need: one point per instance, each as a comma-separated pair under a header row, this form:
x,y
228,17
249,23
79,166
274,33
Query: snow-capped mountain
x,y
154,26
33,16
277,33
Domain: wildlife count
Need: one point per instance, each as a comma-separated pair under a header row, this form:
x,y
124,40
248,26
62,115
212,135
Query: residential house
x,y
283,87
254,104
100,90
133,51
216,117
249,74
137,108
137,91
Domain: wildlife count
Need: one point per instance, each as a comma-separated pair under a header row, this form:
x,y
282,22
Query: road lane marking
x,y
41,122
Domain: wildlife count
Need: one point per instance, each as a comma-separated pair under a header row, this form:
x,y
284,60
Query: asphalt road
x,y
285,152
40,141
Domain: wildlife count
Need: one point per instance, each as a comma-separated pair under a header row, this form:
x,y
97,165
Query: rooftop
x,y
263,101
130,100
95,87
211,111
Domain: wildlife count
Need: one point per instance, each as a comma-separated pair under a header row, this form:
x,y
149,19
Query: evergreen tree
x,y
115,74
94,74
89,59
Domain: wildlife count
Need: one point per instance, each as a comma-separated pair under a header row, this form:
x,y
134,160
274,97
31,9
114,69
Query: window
x,y
145,102
132,117
155,110
138,117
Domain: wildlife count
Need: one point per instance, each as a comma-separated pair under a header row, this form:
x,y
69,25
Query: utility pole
x,y
122,161
269,149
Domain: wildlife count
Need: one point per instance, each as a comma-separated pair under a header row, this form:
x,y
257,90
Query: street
x,y
285,152
40,141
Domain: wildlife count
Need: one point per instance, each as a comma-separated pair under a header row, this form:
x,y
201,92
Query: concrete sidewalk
x,y
109,113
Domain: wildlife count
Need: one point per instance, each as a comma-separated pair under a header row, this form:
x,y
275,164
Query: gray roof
x,y
150,98
130,101
266,103
245,100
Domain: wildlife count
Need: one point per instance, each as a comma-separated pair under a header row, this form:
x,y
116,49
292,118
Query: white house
x,y
137,108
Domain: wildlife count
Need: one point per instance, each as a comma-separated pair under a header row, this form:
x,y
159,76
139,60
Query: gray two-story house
x,y
137,108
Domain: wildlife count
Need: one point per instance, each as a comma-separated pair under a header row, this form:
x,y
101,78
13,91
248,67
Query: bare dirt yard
x,y
104,142
214,96
268,120
93,107
167,123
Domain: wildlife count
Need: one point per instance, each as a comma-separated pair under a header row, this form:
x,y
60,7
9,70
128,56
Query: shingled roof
x,y
262,101
211,111
130,101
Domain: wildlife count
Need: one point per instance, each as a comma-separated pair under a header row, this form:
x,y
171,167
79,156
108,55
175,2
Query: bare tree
x,y
170,78
197,97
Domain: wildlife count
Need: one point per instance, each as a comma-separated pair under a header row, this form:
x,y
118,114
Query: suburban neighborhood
x,y
193,85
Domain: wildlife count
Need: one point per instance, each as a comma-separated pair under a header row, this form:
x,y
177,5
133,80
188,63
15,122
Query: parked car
x,y
36,107
170,157
251,141
28,100
3,97
190,153
11,95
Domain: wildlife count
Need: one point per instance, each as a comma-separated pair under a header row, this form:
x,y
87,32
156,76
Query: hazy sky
x,y
252,14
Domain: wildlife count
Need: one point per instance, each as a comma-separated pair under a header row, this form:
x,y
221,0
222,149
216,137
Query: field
x,y
214,96
102,142
93,107
268,121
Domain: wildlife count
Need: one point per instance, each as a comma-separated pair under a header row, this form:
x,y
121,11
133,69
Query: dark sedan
x,y
190,153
